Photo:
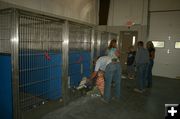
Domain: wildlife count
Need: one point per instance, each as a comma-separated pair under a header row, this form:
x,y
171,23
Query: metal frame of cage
x,y
113,36
25,30
81,43
105,39
54,35
104,43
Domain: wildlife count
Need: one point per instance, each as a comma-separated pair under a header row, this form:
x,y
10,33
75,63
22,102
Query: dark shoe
x,y
105,101
149,86
115,99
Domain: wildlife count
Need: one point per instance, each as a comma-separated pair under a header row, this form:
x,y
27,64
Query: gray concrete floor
x,y
149,105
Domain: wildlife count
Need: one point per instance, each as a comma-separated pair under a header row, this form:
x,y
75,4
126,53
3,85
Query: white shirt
x,y
102,62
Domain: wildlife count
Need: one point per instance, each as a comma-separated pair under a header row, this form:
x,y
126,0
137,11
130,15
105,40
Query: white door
x,y
165,27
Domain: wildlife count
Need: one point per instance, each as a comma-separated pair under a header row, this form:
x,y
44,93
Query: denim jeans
x,y
141,73
112,73
149,73
130,70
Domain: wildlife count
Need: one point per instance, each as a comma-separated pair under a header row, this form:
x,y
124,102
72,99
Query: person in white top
x,y
99,70
112,72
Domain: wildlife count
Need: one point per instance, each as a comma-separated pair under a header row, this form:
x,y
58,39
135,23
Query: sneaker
x,y
138,90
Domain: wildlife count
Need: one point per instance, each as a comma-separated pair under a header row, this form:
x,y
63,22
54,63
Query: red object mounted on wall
x,y
47,56
80,60
129,23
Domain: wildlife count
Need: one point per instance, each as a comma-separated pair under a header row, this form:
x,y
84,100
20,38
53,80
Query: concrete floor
x,y
149,105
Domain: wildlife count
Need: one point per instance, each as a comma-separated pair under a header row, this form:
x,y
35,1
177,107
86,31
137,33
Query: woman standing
x,y
151,49
112,51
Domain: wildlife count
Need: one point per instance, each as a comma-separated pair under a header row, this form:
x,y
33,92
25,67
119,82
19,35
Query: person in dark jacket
x,y
151,50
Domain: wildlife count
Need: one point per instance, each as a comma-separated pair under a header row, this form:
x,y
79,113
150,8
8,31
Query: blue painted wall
x,y
53,86
39,76
78,60
5,87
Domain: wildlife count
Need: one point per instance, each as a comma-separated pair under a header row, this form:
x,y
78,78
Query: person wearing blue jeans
x,y
149,73
112,73
151,50
141,60
141,70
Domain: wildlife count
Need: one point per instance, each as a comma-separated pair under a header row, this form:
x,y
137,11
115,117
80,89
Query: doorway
x,y
128,38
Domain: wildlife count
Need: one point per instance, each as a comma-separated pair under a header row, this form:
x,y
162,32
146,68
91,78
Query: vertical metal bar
x,y
20,59
109,38
14,60
92,47
118,41
98,43
85,40
65,60
148,18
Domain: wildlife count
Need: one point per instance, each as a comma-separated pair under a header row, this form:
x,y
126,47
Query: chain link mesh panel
x,y
5,31
95,44
104,43
40,47
113,36
79,53
40,55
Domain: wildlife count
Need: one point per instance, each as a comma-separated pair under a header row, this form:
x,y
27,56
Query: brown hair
x,y
111,45
140,43
149,44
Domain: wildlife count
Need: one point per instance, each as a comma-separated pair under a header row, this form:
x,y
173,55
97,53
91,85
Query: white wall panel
x,y
165,26
84,10
157,5
123,10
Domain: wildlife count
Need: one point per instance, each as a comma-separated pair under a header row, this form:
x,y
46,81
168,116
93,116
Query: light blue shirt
x,y
102,62
112,53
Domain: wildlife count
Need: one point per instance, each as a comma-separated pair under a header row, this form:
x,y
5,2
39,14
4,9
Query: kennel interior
x,y
6,100
32,44
104,43
105,40
79,53
96,44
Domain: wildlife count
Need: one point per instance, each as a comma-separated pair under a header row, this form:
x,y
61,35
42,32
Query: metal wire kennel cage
x,y
106,37
34,45
41,57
